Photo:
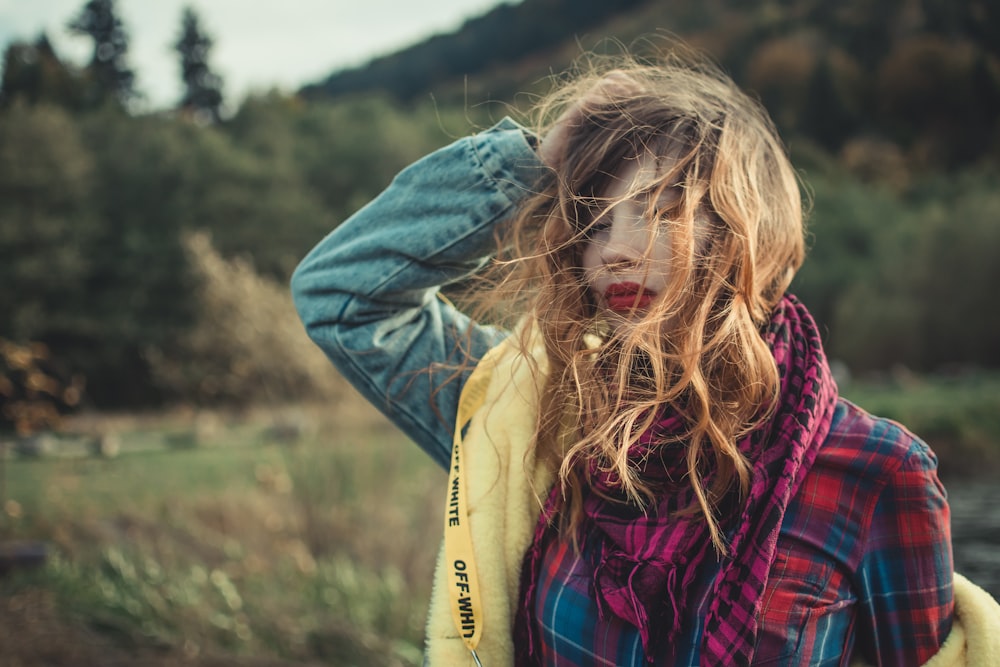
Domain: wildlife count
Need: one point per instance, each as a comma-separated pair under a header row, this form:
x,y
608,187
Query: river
x,y
975,525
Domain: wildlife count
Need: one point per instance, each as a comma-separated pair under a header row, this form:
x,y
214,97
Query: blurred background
x,y
185,480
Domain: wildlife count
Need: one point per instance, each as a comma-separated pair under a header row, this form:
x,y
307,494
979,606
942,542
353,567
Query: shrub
x,y
33,391
247,344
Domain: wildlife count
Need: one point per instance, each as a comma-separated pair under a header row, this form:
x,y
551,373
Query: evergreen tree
x,y
47,231
202,86
111,75
34,74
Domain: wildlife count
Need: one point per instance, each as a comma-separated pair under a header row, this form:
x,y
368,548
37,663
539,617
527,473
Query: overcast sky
x,y
258,45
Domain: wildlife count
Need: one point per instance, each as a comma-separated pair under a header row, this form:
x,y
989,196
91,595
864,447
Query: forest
x,y
126,237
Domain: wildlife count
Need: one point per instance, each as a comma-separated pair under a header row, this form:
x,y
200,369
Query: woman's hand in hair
x,y
616,84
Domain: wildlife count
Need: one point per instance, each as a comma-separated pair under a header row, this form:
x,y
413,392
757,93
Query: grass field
x,y
286,538
295,536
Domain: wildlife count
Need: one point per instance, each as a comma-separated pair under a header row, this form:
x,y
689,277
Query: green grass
x,y
315,550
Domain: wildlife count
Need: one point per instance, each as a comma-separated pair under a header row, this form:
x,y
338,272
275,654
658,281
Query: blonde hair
x,y
736,238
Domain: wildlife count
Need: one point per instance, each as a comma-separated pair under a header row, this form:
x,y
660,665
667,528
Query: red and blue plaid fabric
x,y
863,568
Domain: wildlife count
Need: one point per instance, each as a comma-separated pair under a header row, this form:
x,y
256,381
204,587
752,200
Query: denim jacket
x,y
368,294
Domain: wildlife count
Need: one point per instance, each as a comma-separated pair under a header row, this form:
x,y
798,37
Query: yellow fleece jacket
x,y
506,489
506,493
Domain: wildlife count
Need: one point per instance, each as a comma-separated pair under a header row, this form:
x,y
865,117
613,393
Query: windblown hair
x,y
736,240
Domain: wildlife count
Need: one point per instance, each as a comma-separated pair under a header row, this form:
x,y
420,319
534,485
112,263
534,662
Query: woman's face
x,y
626,260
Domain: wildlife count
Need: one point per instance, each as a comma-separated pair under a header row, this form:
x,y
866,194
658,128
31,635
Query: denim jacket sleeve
x,y
368,292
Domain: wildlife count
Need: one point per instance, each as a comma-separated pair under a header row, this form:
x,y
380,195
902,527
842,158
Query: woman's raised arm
x,y
368,292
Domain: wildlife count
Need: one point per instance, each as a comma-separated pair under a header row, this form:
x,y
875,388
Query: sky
x,y
258,45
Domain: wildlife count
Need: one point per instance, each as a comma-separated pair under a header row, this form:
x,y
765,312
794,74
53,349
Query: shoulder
x,y
869,471
871,448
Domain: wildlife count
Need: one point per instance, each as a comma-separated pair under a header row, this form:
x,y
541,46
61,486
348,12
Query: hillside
x,y
920,76
503,36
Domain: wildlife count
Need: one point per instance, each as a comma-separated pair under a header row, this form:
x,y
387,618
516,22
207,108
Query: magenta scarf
x,y
647,561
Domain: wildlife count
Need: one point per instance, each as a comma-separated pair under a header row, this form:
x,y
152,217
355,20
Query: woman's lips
x,y
626,297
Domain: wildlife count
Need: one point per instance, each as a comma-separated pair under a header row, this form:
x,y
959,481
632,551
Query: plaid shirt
x,y
863,567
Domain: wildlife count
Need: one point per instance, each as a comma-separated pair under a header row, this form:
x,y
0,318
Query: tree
x,y
34,74
112,78
47,232
139,286
202,86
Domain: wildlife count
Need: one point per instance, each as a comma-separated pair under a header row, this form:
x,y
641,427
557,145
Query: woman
x,y
650,461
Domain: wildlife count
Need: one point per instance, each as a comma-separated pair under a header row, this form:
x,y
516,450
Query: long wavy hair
x,y
736,240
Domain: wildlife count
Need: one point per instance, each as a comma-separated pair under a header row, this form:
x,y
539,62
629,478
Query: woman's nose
x,y
627,242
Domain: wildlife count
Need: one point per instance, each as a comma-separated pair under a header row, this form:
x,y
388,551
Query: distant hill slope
x,y
505,34
894,84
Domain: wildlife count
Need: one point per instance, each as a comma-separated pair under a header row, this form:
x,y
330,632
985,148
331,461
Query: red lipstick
x,y
627,296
